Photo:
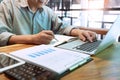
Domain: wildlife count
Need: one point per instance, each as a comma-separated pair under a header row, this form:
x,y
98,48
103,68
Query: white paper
x,y
56,59
61,39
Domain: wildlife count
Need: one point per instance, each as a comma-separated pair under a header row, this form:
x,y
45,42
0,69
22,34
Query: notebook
x,y
57,60
61,39
108,40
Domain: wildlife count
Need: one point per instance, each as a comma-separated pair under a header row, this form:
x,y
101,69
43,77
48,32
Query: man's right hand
x,y
44,37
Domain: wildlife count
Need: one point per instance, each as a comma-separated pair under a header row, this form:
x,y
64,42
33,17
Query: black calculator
x,y
30,71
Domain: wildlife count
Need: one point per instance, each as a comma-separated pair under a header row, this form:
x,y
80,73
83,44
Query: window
x,y
89,13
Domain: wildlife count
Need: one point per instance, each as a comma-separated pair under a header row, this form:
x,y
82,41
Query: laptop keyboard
x,y
30,72
89,46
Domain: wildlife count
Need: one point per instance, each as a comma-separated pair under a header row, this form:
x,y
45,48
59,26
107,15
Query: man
x,y
31,22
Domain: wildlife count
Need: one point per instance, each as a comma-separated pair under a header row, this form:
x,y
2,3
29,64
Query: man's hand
x,y
44,37
84,35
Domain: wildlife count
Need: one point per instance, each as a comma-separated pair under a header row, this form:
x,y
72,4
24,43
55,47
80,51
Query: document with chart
x,y
52,58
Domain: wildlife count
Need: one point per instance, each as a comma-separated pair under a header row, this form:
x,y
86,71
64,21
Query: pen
x,y
56,39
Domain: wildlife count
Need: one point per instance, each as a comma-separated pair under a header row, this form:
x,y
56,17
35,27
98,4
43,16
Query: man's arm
x,y
44,37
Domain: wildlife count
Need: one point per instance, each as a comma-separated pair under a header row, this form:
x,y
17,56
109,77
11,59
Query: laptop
x,y
97,46
56,60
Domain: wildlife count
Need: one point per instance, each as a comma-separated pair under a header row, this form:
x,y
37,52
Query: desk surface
x,y
105,65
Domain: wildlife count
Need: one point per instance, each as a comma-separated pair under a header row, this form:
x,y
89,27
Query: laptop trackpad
x,y
71,45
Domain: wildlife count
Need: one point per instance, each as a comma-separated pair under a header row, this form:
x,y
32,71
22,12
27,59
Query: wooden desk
x,y
105,66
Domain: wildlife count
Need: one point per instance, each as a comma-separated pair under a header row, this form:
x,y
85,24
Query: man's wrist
x,y
75,32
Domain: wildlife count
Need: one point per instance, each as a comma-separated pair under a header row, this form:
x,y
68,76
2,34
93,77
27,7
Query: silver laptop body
x,y
108,40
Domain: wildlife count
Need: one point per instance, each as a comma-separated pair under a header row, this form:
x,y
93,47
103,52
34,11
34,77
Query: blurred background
x,y
88,13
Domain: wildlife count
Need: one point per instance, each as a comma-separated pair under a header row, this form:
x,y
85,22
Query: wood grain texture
x,y
104,66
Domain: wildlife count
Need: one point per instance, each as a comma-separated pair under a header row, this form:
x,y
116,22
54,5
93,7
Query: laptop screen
x,y
111,36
